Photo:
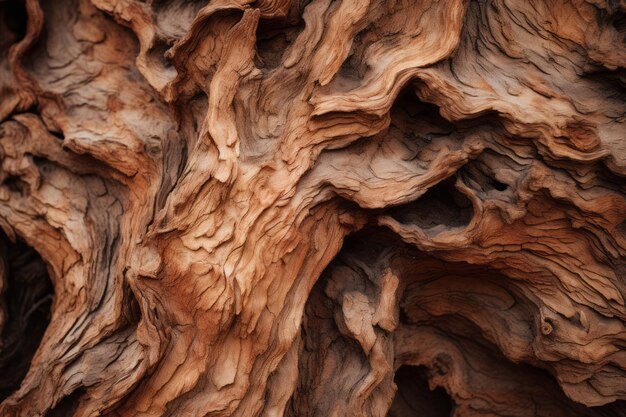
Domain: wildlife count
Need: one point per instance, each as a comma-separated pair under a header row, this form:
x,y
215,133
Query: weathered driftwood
x,y
280,207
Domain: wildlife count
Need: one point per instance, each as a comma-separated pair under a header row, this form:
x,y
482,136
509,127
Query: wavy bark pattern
x,y
313,208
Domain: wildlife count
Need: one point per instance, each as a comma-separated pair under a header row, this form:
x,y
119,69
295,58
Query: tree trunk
x,y
312,208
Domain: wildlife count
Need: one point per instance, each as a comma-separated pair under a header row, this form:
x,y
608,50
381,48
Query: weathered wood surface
x,y
279,207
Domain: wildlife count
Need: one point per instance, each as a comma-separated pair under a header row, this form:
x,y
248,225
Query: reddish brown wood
x,y
312,208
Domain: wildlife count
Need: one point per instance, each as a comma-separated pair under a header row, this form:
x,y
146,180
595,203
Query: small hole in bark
x,y
546,327
59,135
14,19
415,398
499,185
132,311
423,119
68,405
272,41
25,300
479,175
441,205
619,22
404,319
611,81
15,183
159,55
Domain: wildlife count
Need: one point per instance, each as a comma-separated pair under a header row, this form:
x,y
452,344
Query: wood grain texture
x,y
316,208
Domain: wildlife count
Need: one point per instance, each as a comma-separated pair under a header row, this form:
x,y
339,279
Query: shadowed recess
x,y
25,298
415,398
443,336
68,405
13,20
272,42
441,205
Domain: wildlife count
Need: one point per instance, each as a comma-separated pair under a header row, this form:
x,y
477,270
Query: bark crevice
x,y
26,296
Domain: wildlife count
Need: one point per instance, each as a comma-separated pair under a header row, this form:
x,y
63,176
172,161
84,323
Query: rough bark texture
x,y
313,208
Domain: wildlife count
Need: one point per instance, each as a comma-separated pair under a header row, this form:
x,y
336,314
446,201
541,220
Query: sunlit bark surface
x,y
318,208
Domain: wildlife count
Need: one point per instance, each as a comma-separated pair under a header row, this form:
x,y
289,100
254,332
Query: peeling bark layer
x,y
313,208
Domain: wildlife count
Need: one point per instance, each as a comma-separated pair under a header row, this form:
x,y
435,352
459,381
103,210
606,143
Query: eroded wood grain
x,y
313,208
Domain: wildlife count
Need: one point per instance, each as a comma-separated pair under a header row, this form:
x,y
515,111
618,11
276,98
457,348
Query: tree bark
x,y
312,208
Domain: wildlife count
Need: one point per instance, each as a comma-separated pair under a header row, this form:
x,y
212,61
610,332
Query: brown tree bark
x,y
312,208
